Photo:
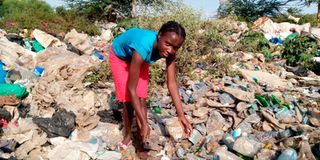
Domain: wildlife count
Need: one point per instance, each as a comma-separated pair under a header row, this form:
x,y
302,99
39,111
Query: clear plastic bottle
x,y
288,154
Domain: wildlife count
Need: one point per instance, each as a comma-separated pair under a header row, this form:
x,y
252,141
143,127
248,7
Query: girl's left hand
x,y
186,125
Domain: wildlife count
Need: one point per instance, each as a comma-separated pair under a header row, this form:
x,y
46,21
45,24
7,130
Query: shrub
x,y
25,14
253,41
300,51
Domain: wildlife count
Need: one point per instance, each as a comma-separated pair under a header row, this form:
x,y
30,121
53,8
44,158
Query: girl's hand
x,y
186,125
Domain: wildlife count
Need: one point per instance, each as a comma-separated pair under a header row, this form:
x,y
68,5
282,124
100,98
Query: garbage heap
x,y
268,111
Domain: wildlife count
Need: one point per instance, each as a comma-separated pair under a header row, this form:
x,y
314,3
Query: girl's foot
x,y
126,142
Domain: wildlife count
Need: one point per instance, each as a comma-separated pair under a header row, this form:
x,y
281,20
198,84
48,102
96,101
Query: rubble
x,y
268,111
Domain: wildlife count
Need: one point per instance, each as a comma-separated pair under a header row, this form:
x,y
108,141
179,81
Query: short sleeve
x,y
142,51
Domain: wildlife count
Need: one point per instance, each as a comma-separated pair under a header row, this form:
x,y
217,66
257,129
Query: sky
x,y
207,7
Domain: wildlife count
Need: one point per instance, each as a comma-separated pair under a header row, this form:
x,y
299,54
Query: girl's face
x,y
169,43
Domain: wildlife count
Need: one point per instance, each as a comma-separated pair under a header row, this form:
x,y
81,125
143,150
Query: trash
x,y
222,153
3,73
288,154
9,100
38,71
15,89
37,46
180,152
47,40
80,41
247,146
195,137
62,123
87,122
98,54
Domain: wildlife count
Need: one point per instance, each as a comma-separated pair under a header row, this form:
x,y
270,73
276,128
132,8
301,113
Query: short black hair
x,y
173,26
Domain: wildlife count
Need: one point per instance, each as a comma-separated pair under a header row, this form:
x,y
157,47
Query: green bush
x,y
31,14
70,19
252,41
26,14
102,73
300,51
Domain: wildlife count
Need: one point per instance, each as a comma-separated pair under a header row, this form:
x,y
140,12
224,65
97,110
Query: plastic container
x,y
288,154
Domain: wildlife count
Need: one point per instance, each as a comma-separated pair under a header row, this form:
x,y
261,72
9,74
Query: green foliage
x,y
300,51
26,14
102,73
70,19
252,41
252,9
108,9
31,14
219,66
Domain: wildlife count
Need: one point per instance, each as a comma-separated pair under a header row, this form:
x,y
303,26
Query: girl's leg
x,y
142,154
127,116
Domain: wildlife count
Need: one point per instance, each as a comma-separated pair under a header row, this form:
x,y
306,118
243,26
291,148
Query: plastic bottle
x,y
288,154
262,100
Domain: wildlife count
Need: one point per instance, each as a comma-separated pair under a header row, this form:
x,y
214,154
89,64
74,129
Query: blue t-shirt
x,y
137,39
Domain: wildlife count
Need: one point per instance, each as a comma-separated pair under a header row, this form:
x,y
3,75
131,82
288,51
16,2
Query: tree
x,y
250,10
108,9
309,2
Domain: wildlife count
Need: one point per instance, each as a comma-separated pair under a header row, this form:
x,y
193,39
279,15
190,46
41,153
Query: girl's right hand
x,y
145,132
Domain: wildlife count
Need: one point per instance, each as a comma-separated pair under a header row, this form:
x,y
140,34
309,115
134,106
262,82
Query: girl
x,y
130,56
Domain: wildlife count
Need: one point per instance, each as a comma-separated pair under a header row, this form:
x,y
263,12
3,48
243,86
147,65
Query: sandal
x,y
122,146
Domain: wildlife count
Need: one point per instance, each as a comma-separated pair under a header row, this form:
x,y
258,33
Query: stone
x,y
216,104
185,144
174,128
266,154
240,95
201,112
226,98
241,106
215,121
263,78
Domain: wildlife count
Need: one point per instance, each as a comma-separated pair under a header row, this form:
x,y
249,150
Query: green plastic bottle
x,y
157,110
262,100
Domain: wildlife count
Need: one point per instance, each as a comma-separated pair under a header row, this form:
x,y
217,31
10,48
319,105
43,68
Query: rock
x,y
215,122
226,98
263,78
266,127
261,57
216,104
247,146
271,119
241,106
186,144
240,95
201,112
265,154
174,128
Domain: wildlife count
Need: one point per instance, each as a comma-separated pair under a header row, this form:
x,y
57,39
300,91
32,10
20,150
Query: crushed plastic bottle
x,y
288,154
262,100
